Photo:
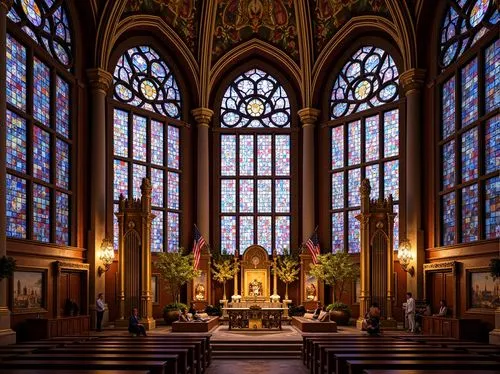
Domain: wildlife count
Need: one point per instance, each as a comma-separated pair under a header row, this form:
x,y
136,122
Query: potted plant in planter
x,y
223,270
287,269
336,270
176,269
7,267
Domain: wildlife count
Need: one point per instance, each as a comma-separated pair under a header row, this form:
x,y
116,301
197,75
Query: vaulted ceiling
x,y
298,33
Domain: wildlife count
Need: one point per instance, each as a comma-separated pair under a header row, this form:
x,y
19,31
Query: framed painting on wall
x,y
483,292
29,291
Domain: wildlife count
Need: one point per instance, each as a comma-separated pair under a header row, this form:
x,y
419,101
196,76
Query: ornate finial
x,y
365,188
146,187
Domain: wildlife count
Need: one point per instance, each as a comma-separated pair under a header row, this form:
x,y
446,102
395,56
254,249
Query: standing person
x,y
133,323
410,311
99,307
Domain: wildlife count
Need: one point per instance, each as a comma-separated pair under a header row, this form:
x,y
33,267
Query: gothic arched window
x,y
255,164
147,140
40,146
469,152
365,122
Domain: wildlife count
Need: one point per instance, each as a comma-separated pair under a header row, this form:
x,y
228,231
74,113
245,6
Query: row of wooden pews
x,y
155,354
358,354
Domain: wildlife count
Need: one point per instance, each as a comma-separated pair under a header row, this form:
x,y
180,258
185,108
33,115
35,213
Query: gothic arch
x,y
174,65
169,37
222,74
335,49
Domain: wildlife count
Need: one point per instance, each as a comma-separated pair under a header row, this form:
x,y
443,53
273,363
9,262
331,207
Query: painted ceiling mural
x,y
269,20
330,15
181,15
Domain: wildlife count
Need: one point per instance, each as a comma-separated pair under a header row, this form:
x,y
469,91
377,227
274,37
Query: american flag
x,y
199,242
313,245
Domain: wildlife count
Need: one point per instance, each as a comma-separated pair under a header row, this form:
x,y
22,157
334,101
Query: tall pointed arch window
x,y
255,164
146,140
40,145
364,130
469,123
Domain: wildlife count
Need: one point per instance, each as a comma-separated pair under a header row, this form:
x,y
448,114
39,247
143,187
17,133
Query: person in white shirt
x,y
410,311
99,307
443,310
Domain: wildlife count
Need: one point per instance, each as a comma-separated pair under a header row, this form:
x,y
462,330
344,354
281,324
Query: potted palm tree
x,y
176,269
336,270
287,269
223,270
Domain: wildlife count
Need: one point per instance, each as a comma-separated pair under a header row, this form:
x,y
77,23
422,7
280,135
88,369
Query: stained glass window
x,y
469,88
255,168
464,24
144,80
142,145
148,145
367,80
492,208
255,99
38,122
365,146
47,23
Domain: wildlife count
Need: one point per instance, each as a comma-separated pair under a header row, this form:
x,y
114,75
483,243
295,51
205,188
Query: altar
x,y
254,318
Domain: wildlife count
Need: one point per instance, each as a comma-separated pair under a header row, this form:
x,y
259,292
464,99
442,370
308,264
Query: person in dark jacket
x,y
134,326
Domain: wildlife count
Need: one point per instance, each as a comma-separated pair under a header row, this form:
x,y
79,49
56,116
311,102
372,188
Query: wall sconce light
x,y
405,257
107,255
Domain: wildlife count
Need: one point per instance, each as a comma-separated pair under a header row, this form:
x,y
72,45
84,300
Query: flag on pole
x,y
313,245
199,242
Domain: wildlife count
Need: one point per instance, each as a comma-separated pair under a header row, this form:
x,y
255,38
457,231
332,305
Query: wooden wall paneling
x,y
435,286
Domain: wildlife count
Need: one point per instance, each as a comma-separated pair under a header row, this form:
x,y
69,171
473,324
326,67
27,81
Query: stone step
x,y
263,355
256,347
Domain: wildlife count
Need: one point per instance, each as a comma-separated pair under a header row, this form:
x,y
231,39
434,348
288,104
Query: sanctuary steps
x,y
256,349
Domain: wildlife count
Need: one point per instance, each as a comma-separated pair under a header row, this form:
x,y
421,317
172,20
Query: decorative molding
x,y
308,116
99,79
412,80
59,265
203,116
435,266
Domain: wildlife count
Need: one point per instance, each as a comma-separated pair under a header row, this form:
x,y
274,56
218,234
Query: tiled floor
x,y
257,367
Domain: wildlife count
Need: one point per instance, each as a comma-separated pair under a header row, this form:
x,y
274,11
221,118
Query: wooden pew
x,y
154,367
188,365
331,352
171,360
65,371
199,355
316,354
455,371
357,366
342,358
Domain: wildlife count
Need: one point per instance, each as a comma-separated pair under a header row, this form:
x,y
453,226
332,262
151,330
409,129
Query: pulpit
x,y
134,247
377,254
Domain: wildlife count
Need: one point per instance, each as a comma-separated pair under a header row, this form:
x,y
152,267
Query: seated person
x,y
317,311
134,326
372,320
443,309
183,316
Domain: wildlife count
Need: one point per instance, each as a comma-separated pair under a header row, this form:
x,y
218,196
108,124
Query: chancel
x,y
230,186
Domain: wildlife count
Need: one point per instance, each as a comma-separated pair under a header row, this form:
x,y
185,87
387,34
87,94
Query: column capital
x,y
203,116
308,116
412,80
6,4
99,79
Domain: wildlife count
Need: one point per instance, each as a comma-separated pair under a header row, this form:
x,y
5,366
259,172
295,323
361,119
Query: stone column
x,y
7,335
411,83
203,116
99,83
308,117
